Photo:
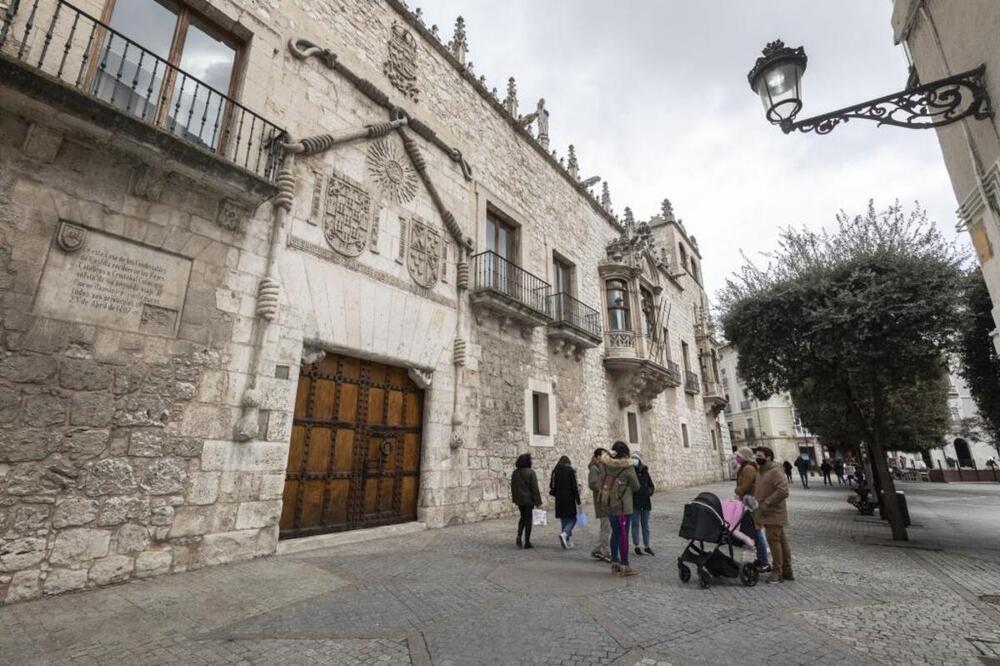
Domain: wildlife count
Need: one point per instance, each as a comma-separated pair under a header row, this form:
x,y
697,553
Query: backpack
x,y
611,489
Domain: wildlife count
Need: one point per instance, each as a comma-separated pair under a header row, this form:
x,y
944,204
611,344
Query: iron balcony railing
x,y
565,308
691,382
72,46
495,274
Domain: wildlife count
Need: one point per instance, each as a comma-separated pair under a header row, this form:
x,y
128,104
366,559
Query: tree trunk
x,y
890,503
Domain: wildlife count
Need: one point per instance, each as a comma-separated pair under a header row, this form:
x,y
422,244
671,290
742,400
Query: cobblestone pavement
x,y
466,595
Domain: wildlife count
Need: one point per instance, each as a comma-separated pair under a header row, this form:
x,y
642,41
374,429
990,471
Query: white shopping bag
x,y
539,517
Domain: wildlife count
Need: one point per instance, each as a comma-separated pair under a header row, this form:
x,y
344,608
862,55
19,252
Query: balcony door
x,y
168,65
501,241
564,307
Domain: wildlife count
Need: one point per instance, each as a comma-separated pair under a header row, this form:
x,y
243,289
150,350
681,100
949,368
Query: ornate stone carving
x,y
421,378
71,237
459,45
572,166
391,171
401,66
347,219
605,197
233,215
542,121
147,183
458,353
510,101
423,254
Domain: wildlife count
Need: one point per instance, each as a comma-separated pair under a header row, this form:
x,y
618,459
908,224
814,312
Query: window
x,y
633,427
144,86
540,413
648,312
714,443
501,237
562,276
684,256
618,311
694,270
684,435
685,356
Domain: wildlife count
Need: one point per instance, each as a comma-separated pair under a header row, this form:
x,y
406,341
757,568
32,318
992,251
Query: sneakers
x,y
649,551
616,568
564,540
569,543
763,568
775,577
638,551
627,571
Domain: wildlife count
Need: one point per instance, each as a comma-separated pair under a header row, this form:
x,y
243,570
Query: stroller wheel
x,y
684,571
749,574
704,579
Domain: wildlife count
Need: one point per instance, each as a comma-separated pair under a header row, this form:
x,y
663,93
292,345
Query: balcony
x,y
639,367
575,326
692,385
715,399
54,53
512,293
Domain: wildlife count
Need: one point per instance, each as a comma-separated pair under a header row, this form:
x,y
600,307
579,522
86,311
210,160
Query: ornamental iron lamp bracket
x,y
933,104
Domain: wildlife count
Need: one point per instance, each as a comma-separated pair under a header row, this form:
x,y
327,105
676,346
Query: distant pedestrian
x,y
850,469
771,493
595,469
802,463
618,483
564,488
787,466
525,494
826,468
746,479
642,505
838,468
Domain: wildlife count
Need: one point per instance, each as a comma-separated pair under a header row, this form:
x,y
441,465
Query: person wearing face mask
x,y
746,481
642,505
771,493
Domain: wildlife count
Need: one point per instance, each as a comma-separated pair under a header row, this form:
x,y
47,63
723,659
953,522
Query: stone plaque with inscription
x,y
110,281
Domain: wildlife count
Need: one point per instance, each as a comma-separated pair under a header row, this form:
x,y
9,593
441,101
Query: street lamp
x,y
777,78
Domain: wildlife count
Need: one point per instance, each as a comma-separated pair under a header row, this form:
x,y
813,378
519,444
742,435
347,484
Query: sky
x,y
653,94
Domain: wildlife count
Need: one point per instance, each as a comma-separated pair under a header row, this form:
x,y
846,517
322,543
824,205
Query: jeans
x,y
761,546
603,538
567,526
804,476
524,524
619,537
840,479
640,519
826,479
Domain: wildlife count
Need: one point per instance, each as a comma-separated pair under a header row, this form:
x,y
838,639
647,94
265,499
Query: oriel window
x,y
167,64
618,310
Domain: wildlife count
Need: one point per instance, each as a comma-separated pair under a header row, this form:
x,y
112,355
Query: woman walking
x,y
564,488
524,493
618,482
643,505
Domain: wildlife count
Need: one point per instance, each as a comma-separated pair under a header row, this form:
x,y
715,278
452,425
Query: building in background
x,y
773,422
942,39
274,272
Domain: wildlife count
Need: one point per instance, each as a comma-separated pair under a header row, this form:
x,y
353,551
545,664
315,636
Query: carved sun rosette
x,y
401,66
348,216
423,254
71,237
391,171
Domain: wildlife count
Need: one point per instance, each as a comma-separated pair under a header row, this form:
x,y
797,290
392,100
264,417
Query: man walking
x,y
838,468
802,464
746,479
826,468
771,493
602,551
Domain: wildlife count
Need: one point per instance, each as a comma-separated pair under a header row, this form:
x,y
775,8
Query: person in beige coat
x,y
771,493
746,481
602,551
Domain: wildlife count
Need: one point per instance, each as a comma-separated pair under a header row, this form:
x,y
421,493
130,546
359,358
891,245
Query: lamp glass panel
x,y
780,88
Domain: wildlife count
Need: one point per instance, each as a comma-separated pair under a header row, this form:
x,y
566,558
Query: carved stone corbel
x,y
422,378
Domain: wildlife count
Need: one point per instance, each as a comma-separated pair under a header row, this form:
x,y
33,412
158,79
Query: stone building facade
x,y
943,39
273,272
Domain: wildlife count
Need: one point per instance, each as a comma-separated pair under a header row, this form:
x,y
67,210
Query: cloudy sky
x,y
653,94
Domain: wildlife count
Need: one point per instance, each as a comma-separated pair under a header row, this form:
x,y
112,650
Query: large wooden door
x,y
354,459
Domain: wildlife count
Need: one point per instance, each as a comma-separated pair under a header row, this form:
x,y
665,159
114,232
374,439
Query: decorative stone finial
x,y
435,32
459,44
573,166
542,120
471,66
418,13
605,197
590,182
510,102
629,217
667,210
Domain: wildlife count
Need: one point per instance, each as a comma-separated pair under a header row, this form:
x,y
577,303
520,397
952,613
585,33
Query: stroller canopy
x,y
702,520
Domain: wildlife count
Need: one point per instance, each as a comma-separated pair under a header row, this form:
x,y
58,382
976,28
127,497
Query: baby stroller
x,y
703,523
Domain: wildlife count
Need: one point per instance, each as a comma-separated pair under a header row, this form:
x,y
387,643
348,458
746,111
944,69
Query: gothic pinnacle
x,y
605,197
459,44
572,165
510,102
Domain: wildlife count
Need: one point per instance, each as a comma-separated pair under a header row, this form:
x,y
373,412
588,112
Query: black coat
x,y
641,498
564,488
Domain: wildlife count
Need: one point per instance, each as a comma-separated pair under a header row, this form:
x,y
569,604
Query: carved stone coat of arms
x,y
347,219
401,67
423,255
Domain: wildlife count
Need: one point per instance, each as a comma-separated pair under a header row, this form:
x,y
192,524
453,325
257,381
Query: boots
x,y
787,574
628,571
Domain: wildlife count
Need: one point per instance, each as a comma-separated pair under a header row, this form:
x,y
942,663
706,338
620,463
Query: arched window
x,y
618,315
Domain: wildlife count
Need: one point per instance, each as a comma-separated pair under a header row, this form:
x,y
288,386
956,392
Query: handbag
x,y
581,519
539,517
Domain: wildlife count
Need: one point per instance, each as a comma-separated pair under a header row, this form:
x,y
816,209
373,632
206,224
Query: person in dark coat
x,y
642,505
563,486
802,463
525,494
787,466
826,468
838,468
